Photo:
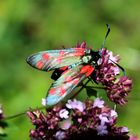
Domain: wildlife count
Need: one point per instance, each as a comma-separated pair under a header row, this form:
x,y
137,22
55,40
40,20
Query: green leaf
x,y
91,92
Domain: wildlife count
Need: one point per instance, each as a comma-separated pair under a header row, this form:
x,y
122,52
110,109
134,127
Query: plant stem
x,y
20,114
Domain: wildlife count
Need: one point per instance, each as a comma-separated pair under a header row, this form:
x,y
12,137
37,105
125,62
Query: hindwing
x,y
68,81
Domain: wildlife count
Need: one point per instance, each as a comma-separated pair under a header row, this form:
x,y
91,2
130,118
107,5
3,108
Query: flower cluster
x,y
107,74
89,119
75,120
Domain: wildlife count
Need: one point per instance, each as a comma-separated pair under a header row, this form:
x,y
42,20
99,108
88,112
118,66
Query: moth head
x,y
95,56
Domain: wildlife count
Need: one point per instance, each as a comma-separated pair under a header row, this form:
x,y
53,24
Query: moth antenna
x,y
107,33
123,70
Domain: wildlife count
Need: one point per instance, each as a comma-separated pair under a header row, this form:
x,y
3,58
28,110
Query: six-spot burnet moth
x,y
81,63
71,66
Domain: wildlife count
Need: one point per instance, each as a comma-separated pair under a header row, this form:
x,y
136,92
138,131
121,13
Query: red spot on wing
x,y
68,78
79,52
75,81
65,71
52,91
39,64
63,68
62,91
59,60
45,56
61,53
87,70
79,49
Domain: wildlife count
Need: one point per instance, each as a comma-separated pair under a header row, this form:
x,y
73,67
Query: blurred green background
x,y
29,26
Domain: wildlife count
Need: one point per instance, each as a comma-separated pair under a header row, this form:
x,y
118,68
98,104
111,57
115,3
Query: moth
x,y
71,66
76,63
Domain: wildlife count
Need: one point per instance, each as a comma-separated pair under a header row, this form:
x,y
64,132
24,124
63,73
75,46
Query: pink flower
x,y
113,113
102,130
98,103
65,124
115,58
133,137
116,70
75,105
103,118
118,91
64,113
60,135
124,130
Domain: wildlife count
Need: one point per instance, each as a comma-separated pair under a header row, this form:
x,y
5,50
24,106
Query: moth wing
x,y
67,82
50,60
